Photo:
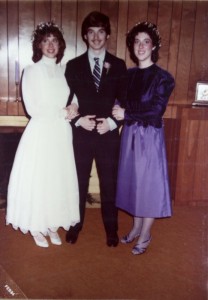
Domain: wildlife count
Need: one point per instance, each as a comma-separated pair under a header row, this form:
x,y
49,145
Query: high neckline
x,y
48,61
147,68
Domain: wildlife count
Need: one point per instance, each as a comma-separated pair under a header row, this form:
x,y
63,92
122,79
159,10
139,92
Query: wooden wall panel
x,y
153,11
42,11
84,8
137,12
13,31
56,12
199,69
200,190
174,41
69,25
183,26
164,25
26,27
122,29
3,52
192,170
185,52
111,9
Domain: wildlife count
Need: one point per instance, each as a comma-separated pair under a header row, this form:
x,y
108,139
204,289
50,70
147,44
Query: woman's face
x,y
143,48
49,46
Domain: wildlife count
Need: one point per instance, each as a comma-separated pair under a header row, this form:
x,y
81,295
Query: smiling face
x,y
49,46
143,48
96,38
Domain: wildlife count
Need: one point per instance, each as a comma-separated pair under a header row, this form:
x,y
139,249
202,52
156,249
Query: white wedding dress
x,y
43,188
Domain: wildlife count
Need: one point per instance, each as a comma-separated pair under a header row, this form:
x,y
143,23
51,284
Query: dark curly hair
x,y
43,30
95,19
152,31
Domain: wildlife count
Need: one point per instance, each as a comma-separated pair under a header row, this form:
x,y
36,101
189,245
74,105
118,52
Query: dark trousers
x,y
104,149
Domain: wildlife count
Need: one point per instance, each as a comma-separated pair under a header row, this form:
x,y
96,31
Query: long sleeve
x,y
30,91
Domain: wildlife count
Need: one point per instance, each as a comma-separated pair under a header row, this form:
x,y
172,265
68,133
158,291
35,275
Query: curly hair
x,y
44,30
152,31
95,19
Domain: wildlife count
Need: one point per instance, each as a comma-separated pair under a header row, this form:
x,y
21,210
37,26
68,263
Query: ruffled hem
x,y
35,231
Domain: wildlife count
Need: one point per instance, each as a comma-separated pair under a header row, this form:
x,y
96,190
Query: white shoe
x,y
54,237
40,240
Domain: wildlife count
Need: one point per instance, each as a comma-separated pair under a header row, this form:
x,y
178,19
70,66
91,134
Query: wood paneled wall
x,y
183,26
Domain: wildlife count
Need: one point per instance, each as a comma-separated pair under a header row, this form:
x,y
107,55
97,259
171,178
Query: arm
x,y
29,91
121,92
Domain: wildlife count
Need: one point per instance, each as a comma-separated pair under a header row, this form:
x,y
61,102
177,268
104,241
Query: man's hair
x,y
95,19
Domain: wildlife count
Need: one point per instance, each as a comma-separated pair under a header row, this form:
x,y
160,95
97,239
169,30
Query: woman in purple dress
x,y
143,185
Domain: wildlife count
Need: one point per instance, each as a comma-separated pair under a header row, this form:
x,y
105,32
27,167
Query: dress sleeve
x,y
29,91
154,109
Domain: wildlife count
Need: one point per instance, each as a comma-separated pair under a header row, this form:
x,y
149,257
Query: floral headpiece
x,y
44,27
147,27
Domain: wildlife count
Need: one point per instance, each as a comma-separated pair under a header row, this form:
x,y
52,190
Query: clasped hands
x,y
90,122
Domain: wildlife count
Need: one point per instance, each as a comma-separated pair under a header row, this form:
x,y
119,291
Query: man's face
x,y
96,38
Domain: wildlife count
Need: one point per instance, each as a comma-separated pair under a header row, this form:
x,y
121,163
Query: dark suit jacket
x,y
113,85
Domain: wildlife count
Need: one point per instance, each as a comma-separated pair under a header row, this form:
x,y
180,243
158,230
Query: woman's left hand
x,y
118,112
72,111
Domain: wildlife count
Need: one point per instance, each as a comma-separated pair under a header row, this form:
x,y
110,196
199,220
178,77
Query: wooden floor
x,y
173,268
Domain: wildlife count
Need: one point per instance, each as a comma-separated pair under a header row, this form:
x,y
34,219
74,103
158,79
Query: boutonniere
x,y
107,66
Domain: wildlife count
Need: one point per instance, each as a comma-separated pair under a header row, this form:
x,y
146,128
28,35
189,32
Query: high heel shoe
x,y
140,248
40,240
126,240
54,237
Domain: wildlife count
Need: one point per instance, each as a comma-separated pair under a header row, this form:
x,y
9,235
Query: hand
x,y
102,126
87,122
72,111
118,112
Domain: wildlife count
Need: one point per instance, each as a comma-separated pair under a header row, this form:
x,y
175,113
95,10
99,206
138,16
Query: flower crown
x,y
43,27
149,26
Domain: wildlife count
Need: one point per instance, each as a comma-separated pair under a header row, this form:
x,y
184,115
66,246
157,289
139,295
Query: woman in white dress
x,y
43,189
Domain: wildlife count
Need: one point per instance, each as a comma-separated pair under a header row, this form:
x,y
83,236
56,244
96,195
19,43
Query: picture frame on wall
x,y
201,96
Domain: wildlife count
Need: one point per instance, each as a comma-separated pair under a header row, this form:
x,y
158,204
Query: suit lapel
x,y
106,69
86,65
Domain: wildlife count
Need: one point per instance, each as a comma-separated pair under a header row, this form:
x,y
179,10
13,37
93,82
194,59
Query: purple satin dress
x,y
143,184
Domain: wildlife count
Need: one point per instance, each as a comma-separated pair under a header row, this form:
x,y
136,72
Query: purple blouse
x,y
148,92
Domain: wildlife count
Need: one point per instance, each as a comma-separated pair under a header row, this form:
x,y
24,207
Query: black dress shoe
x,y
71,236
112,240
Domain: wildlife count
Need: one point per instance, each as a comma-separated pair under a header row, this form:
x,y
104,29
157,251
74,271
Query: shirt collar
x,y
91,55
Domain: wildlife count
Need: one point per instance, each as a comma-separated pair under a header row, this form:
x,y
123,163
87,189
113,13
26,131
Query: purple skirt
x,y
143,185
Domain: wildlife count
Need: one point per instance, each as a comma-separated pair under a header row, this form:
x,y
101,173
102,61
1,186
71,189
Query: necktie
x,y
96,73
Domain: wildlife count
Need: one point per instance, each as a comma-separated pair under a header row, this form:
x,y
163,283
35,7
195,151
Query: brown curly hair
x,y
152,31
44,30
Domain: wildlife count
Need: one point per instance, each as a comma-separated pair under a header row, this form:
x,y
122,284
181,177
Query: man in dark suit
x,y
98,79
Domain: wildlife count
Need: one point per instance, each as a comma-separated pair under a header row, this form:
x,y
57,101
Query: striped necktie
x,y
96,73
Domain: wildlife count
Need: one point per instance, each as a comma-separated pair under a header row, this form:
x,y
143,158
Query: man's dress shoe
x,y
112,240
71,236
